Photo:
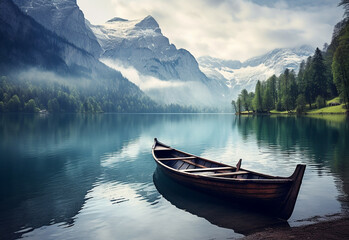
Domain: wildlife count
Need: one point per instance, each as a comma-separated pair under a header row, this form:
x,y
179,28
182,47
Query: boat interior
x,y
195,165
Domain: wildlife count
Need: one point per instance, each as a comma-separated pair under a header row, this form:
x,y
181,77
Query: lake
x,y
74,176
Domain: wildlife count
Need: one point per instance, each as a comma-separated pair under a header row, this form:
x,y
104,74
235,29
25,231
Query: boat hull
x,y
275,195
263,194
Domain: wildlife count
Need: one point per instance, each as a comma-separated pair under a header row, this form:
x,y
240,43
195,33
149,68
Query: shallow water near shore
x,y
93,176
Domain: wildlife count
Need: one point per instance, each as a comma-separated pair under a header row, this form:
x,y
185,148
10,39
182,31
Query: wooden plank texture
x,y
228,174
208,169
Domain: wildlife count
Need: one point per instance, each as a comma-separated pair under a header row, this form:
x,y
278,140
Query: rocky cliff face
x,y
140,45
64,18
26,44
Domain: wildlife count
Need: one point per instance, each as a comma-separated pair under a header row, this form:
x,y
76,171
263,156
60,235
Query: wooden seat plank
x,y
193,163
228,174
208,169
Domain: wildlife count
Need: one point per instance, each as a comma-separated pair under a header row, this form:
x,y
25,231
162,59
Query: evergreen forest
x,y
323,76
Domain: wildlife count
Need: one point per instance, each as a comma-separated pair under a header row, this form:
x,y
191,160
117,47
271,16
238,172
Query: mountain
x,y
25,42
64,18
239,75
145,56
141,44
29,50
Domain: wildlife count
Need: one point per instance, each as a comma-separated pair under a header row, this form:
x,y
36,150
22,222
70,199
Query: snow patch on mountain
x,y
140,33
118,32
239,75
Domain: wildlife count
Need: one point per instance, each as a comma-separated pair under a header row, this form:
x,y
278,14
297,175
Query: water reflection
x,y
49,165
218,212
321,141
325,136
63,176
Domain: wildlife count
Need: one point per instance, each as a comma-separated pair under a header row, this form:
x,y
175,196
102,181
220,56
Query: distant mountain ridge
x,y
239,75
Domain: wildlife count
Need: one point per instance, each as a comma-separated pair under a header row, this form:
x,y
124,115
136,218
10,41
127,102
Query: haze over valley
x,y
122,65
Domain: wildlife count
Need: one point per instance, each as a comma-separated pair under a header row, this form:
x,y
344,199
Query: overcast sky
x,y
228,29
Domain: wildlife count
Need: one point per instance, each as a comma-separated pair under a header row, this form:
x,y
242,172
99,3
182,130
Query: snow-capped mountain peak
x,y
112,33
281,58
149,23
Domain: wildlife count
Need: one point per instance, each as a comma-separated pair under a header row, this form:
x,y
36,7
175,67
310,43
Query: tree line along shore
x,y
321,85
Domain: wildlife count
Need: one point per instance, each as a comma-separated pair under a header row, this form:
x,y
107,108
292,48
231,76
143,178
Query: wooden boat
x,y
276,195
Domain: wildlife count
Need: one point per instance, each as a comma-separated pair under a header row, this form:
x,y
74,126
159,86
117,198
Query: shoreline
x,y
293,113
332,229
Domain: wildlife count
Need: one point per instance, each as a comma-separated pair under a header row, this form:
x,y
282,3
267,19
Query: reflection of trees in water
x,y
52,161
324,140
48,164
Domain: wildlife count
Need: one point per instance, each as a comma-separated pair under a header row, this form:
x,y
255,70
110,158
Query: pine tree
x,y
293,90
250,99
245,101
268,103
340,66
300,103
300,77
271,84
318,75
238,105
308,83
257,100
285,93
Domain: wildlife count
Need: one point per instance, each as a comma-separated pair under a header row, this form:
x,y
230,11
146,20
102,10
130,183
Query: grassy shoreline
x,y
338,109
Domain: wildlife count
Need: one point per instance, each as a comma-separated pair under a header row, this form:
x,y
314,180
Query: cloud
x,y
144,82
236,29
39,76
187,93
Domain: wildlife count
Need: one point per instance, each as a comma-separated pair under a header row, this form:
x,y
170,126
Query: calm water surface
x,y
93,176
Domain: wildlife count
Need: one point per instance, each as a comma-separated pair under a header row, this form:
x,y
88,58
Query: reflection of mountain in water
x,y
52,162
50,166
217,212
322,139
